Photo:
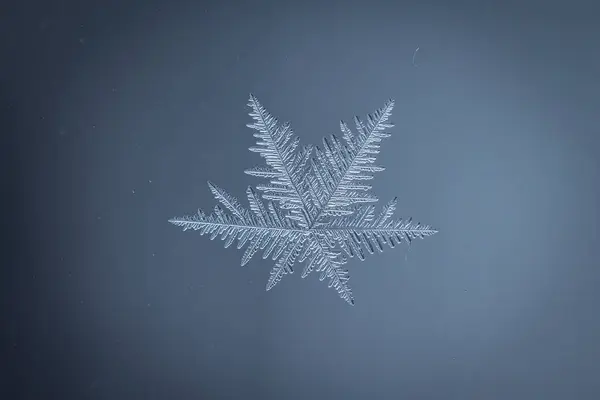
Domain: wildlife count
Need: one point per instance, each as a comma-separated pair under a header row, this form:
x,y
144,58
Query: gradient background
x,y
116,113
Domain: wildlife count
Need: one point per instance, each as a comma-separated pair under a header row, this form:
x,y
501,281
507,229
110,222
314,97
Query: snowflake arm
x,y
285,263
338,169
285,166
362,230
260,229
330,264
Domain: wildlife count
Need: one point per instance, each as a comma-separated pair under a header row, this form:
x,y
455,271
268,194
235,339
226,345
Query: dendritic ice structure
x,y
315,203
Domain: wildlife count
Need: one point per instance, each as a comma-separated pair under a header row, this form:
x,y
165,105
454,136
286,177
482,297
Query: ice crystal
x,y
318,207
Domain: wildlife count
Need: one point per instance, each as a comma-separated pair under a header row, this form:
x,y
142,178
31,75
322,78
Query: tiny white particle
x,y
414,55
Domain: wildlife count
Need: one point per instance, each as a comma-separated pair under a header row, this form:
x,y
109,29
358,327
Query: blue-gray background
x,y
116,113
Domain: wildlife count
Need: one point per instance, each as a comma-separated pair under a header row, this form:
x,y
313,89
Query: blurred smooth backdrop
x,y
116,113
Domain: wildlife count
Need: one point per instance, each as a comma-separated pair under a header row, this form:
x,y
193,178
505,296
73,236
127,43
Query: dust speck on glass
x,y
317,202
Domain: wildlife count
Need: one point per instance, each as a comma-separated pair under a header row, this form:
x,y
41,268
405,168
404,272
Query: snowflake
x,y
317,202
